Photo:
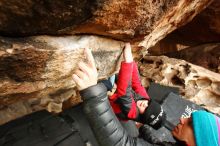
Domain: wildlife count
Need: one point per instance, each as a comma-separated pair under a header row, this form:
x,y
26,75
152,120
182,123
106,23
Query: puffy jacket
x,y
103,121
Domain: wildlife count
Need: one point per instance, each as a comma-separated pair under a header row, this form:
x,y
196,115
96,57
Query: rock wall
x,y
124,20
196,83
206,55
42,41
203,29
36,72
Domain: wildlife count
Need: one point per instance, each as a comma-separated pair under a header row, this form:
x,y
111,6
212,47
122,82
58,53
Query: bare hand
x,y
86,75
127,53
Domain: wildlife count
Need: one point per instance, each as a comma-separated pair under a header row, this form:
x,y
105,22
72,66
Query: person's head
x,y
142,105
151,113
202,128
184,131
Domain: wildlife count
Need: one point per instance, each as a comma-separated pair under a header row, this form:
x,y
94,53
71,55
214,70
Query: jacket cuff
x,y
93,91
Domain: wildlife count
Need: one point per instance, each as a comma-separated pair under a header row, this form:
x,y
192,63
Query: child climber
x,y
130,100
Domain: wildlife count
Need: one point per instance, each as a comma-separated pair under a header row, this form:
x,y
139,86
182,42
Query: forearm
x,y
136,82
124,79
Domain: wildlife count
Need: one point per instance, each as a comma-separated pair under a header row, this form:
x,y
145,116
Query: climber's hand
x,y
127,53
86,75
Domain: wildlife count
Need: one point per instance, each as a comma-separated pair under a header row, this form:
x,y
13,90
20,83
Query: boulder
x,y
196,83
124,20
37,71
41,43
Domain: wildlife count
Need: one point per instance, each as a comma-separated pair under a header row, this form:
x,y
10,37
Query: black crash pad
x,y
176,107
44,129
159,92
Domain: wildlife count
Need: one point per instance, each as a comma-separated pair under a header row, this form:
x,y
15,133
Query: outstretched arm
x,y
122,101
136,83
125,73
104,123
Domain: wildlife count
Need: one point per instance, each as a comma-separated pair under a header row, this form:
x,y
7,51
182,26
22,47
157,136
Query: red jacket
x,y
129,90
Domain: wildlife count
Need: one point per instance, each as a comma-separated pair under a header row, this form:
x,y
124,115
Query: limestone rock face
x,y
30,17
183,13
38,70
125,19
203,29
196,83
206,55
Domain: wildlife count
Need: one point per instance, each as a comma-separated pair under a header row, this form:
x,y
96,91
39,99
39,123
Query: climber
x,y
202,129
130,100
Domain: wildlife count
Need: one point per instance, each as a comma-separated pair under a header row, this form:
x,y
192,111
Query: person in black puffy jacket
x,y
201,129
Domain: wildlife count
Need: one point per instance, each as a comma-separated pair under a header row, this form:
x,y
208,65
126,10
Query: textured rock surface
x,y
38,70
207,56
43,17
204,28
54,104
196,83
123,19
35,72
183,13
